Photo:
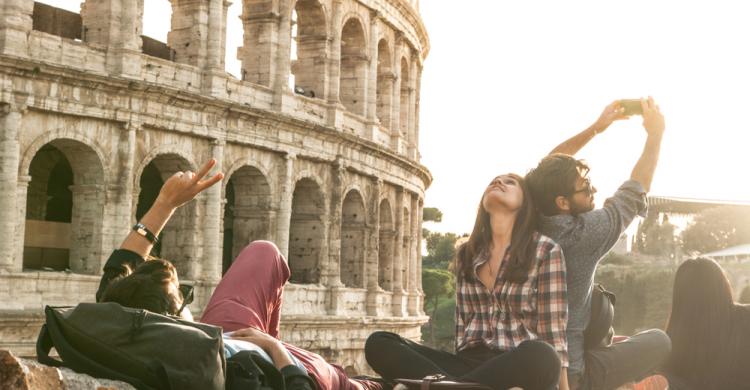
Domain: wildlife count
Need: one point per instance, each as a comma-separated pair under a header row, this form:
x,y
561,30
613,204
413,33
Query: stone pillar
x,y
10,150
190,31
373,266
285,204
86,228
335,112
119,194
334,231
420,291
214,77
395,126
260,20
399,304
283,55
372,85
416,112
20,219
413,262
15,26
212,221
411,129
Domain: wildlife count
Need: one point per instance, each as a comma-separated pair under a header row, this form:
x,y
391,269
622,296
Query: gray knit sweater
x,y
585,239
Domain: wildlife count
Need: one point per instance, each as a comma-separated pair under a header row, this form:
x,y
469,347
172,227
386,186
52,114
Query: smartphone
x,y
632,106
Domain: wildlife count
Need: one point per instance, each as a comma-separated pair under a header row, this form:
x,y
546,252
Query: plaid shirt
x,y
515,312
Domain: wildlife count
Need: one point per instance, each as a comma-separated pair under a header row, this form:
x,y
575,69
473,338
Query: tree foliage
x,y
437,284
441,249
717,228
432,214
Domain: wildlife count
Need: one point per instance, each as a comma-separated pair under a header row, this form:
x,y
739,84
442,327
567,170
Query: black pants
x,y
534,365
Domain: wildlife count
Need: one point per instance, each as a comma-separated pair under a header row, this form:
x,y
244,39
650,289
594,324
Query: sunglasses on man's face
x,y
587,188
188,294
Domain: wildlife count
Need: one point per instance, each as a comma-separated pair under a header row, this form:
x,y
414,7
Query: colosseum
x,y
94,117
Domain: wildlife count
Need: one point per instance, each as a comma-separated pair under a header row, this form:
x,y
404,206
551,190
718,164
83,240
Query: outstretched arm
x,y
653,122
572,145
179,189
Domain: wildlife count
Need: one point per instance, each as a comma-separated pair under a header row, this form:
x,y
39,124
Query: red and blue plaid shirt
x,y
515,312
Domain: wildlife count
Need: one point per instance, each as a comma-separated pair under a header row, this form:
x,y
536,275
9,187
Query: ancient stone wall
x,y
90,128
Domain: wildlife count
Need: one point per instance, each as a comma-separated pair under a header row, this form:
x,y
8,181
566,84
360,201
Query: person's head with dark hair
x,y
559,185
153,286
508,195
700,324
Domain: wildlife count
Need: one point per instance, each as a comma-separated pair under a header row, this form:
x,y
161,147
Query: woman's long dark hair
x,y
702,324
522,243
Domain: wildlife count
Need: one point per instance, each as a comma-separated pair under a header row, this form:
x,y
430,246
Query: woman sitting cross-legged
x,y
710,332
246,303
511,305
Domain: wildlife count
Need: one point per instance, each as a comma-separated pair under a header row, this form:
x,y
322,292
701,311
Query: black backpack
x,y
144,349
247,370
599,331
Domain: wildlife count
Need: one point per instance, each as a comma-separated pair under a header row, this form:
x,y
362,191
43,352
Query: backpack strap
x,y
51,336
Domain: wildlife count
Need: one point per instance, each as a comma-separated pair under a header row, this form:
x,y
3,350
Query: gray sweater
x,y
585,239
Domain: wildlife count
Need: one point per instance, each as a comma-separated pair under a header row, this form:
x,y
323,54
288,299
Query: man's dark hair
x,y
555,176
152,286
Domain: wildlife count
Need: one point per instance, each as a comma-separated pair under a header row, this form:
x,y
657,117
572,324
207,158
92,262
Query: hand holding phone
x,y
631,107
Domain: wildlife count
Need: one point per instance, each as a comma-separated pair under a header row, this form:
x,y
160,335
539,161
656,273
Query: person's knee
x,y
659,342
264,246
377,344
540,354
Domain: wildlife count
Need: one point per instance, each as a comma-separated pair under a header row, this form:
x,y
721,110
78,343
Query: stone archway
x,y
306,232
247,211
64,208
353,66
353,240
384,87
177,239
385,247
310,39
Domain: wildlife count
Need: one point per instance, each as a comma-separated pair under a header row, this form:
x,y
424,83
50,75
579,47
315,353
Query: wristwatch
x,y
143,231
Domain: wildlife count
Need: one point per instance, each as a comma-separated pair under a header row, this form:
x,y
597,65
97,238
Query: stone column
x,y
413,257
213,241
20,219
420,291
261,34
372,84
334,232
124,53
285,204
373,265
411,129
399,304
395,126
119,194
335,114
15,26
190,31
418,93
86,228
283,55
10,150
216,34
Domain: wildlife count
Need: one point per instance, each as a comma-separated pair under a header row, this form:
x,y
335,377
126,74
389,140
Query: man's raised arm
x,y
653,122
572,145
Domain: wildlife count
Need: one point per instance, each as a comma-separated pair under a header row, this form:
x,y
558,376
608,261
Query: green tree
x,y
432,214
441,249
436,284
717,228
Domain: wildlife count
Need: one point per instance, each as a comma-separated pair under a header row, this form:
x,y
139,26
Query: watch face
x,y
141,231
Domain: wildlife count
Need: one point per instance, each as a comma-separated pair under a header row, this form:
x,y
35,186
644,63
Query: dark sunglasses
x,y
587,188
188,295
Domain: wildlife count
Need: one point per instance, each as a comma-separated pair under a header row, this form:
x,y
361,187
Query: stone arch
x,y
64,206
177,239
385,246
405,249
405,98
384,87
63,134
310,40
353,65
168,149
306,232
353,240
247,212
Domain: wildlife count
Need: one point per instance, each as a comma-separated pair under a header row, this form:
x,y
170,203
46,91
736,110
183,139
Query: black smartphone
x,y
631,106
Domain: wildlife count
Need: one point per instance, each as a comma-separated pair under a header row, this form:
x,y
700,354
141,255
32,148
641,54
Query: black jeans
x,y
627,361
534,365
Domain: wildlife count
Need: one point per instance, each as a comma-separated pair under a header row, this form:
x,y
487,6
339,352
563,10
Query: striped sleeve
x,y
552,299
460,312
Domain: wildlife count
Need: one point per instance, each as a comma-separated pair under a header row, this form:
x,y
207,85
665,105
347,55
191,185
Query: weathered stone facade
x,y
93,120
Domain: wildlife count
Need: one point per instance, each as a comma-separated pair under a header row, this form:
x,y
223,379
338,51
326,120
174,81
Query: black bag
x,y
147,350
599,331
248,370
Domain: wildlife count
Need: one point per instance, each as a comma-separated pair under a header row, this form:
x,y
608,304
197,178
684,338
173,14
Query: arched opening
x,y
353,240
384,89
306,232
309,41
157,35
404,100
233,40
176,241
353,67
405,250
385,247
64,209
246,213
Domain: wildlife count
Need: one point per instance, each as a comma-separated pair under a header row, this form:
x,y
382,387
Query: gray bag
x,y
147,350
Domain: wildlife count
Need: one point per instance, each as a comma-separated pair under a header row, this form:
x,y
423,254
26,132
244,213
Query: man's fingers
x,y
205,169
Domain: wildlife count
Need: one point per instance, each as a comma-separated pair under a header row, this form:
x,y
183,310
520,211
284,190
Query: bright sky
x,y
506,81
